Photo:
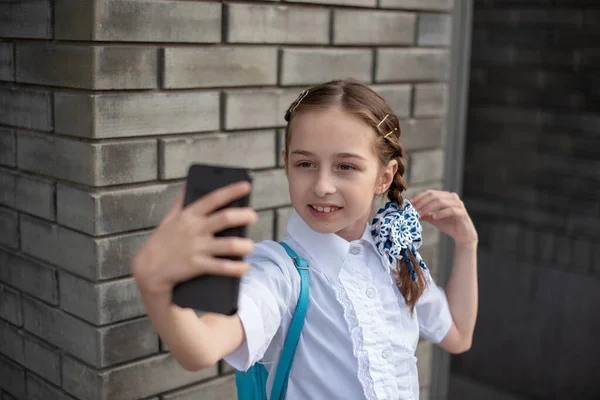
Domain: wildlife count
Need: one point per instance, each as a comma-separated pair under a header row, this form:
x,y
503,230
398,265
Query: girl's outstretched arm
x,y
447,212
195,342
184,246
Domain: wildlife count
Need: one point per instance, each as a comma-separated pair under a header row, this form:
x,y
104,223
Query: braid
x,y
392,149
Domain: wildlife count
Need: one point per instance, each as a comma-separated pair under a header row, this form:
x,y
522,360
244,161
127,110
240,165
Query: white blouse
x,y
359,338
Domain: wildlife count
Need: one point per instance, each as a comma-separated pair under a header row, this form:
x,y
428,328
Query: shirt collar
x,y
328,250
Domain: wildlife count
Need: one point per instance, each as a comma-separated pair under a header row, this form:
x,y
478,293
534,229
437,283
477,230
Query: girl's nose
x,y
324,186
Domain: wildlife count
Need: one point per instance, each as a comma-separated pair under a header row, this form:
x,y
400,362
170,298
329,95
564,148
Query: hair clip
x,y
295,104
390,132
381,122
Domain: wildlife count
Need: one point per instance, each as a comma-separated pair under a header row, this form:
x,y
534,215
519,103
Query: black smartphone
x,y
212,293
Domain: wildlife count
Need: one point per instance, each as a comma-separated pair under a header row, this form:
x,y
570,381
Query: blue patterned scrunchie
x,y
396,231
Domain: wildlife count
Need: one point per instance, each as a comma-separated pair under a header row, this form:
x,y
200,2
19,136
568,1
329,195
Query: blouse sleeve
x,y
264,300
433,312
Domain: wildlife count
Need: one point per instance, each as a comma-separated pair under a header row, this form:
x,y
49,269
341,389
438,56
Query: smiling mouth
x,y
324,209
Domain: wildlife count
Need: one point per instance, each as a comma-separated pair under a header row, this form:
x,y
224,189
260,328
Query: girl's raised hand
x,y
447,212
183,245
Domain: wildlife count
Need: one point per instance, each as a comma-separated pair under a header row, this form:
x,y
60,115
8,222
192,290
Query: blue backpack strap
x,y
291,341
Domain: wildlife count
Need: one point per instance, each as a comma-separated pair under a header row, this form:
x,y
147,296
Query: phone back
x,y
212,293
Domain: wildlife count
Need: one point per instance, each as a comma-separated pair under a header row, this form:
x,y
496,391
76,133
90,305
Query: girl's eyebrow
x,y
338,155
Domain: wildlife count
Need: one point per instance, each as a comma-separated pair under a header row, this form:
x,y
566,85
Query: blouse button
x,y
370,292
386,353
355,250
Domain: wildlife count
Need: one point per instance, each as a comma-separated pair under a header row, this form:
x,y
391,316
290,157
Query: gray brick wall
x,y
103,106
532,184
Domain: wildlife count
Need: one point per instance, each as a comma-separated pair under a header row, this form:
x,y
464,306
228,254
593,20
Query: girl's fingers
x,y
219,198
230,218
226,246
425,197
437,202
428,207
207,265
446,213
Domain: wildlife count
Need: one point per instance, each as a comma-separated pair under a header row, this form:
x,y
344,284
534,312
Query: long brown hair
x,y
360,100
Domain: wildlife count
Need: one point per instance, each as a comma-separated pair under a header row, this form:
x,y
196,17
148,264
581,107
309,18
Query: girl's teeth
x,y
324,209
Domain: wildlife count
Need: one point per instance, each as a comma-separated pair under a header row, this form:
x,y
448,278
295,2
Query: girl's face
x,y
334,172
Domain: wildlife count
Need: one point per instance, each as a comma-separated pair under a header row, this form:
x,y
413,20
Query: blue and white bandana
x,y
398,230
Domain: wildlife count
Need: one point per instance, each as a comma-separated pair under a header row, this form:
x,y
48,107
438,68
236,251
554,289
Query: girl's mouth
x,y
323,211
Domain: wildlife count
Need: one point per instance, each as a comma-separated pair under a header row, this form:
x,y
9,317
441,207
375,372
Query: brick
x,y
8,148
249,108
263,229
553,18
282,215
35,196
26,108
98,347
219,66
311,66
96,258
122,115
217,389
138,21
423,354
270,189
42,358
7,62
430,234
87,67
398,97
159,374
110,257
10,305
9,228
13,378
8,181
434,30
38,389
26,19
30,276
506,238
426,165
103,212
412,65
373,27
582,255
413,190
361,3
245,150
94,164
422,133
100,303
11,342
225,368
428,5
254,23
431,100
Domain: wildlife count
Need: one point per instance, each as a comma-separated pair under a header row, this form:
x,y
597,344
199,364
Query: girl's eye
x,y
305,164
346,167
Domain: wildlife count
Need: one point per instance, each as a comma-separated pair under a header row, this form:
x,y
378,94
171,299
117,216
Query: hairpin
x,y
295,104
390,132
381,122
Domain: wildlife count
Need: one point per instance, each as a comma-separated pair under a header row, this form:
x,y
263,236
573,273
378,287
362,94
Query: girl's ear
x,y
387,177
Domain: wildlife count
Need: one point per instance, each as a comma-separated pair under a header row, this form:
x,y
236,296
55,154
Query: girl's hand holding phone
x,y
184,246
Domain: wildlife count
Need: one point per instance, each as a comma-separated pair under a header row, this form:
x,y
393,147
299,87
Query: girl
x,y
371,295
